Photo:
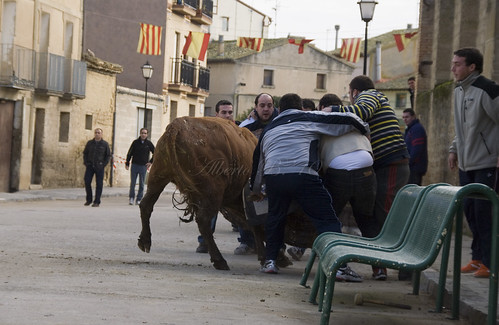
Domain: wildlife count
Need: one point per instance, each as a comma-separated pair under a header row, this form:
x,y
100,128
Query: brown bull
x,y
209,160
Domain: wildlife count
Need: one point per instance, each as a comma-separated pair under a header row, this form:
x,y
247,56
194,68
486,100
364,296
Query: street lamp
x,y
366,12
147,74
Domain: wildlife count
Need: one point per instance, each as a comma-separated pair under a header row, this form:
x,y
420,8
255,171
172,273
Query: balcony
x,y
204,15
185,7
60,76
188,77
17,67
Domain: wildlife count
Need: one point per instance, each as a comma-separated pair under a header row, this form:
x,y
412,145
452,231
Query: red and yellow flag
x,y
251,43
149,39
300,42
196,45
350,49
402,39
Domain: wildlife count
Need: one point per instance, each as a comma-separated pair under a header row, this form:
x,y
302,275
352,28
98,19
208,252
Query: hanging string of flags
x,y
149,39
300,42
402,39
350,49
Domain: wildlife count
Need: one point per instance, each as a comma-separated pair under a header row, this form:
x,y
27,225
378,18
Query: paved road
x,y
63,263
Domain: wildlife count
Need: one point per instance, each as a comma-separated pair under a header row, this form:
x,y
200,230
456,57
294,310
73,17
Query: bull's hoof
x,y
221,265
145,247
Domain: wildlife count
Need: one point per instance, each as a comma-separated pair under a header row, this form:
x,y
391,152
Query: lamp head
x,y
367,9
147,70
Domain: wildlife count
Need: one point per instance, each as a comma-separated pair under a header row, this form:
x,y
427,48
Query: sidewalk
x,y
473,295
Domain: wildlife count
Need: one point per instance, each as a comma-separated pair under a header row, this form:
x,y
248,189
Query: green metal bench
x,y
431,228
391,235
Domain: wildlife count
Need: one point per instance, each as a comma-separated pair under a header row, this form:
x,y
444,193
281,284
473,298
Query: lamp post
x,y
366,12
147,74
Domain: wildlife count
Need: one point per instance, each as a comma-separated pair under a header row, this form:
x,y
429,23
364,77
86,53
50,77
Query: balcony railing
x,y
185,7
204,15
76,76
17,67
188,76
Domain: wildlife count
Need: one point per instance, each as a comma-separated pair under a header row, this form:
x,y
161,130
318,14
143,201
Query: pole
x,y
365,52
145,101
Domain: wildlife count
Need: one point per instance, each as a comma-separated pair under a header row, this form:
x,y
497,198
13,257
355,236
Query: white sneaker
x,y
269,267
348,275
243,249
130,202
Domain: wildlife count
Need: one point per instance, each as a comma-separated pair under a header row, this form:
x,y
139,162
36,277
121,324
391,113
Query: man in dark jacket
x,y
417,145
96,155
139,154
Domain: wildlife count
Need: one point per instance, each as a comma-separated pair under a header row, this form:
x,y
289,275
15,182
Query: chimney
x,y
221,45
336,28
409,26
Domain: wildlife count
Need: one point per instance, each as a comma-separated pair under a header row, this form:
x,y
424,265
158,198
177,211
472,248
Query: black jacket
x,y
140,152
96,154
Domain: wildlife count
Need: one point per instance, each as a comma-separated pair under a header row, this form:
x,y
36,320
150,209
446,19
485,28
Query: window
x,y
173,110
401,100
268,77
192,110
88,122
144,119
321,81
64,127
225,24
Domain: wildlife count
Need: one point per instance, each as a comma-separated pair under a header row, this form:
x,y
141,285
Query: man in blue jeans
x,y
96,155
139,154
287,160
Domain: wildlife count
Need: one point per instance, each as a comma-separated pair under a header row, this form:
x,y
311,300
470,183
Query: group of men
x,y
348,153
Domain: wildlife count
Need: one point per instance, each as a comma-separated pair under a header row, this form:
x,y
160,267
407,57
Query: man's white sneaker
x,y
348,275
130,201
269,267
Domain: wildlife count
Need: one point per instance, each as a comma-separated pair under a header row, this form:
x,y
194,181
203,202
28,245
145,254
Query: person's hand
x,y
148,165
254,196
452,160
327,109
126,167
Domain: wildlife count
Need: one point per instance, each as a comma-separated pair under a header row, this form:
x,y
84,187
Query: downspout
x,y
377,74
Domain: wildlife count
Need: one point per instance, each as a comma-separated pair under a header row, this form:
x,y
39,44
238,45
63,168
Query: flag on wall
x,y
251,43
300,42
350,49
149,39
196,45
402,39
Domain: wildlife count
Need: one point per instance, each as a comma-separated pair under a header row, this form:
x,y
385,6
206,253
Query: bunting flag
x,y
300,42
402,39
196,45
251,43
149,39
350,49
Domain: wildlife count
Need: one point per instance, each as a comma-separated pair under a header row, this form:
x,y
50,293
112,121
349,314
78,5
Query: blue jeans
x,y
139,170
213,223
479,214
99,177
357,187
308,191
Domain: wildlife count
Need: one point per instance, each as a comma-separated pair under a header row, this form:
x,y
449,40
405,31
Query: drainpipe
x,y
221,45
377,75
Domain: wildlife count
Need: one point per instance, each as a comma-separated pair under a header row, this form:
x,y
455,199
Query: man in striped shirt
x,y
391,159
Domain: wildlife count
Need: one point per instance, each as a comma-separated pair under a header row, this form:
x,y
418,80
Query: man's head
x,y
264,106
98,134
308,105
411,82
408,115
290,101
224,110
465,61
358,85
143,134
328,100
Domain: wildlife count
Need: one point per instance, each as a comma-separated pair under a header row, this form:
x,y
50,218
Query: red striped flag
x,y
149,39
300,42
402,39
196,45
251,43
350,49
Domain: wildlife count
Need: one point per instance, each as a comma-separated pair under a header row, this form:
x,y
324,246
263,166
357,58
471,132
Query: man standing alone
x,y
96,155
139,154
417,145
475,149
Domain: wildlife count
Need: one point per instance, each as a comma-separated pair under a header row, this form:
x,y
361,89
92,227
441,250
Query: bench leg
x,y
312,298
328,299
308,268
322,287
416,280
444,264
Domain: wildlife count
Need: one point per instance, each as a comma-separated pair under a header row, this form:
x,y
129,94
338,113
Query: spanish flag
x,y
402,39
196,45
149,39
251,43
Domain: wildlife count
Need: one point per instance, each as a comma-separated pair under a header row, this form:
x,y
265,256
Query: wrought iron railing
x,y
190,74
204,79
207,8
